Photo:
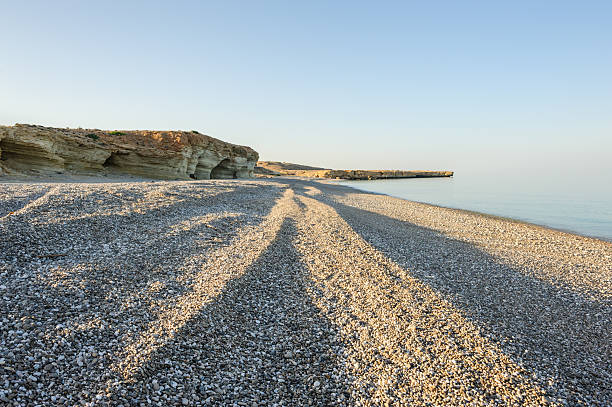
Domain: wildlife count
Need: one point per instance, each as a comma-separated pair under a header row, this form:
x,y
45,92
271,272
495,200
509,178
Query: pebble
x,y
291,292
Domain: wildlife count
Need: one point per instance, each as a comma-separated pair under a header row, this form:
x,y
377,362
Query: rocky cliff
x,y
280,168
36,150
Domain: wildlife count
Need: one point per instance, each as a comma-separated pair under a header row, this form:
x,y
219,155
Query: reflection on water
x,y
578,205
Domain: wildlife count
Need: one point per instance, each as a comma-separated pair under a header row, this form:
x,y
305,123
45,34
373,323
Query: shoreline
x,y
485,214
96,179
209,292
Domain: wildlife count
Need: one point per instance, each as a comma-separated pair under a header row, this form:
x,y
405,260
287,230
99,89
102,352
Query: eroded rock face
x,y
36,150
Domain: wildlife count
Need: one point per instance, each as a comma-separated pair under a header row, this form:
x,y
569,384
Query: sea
x,y
579,205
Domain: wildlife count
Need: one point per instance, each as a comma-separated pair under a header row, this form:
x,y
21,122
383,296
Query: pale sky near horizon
x,y
467,86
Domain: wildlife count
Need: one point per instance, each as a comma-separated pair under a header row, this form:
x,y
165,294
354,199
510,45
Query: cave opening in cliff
x,y
223,170
110,161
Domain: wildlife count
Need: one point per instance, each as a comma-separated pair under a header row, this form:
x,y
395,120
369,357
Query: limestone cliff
x,y
281,168
36,150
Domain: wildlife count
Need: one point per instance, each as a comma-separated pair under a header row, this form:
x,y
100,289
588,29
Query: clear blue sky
x,y
516,85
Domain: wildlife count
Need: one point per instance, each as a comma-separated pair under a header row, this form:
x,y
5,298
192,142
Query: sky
x,y
473,87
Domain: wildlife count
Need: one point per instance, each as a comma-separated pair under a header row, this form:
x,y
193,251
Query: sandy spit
x,y
291,292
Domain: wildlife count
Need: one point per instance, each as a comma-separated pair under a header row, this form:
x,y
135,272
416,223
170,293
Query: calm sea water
x,y
580,205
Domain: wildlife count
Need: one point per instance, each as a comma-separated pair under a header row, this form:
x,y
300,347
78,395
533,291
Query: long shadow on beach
x,y
107,252
94,299
261,340
76,236
560,336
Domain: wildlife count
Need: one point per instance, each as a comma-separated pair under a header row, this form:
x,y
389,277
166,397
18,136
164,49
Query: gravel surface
x,y
291,292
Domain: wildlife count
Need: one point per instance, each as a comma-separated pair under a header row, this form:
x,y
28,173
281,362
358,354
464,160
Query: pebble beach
x,y
287,292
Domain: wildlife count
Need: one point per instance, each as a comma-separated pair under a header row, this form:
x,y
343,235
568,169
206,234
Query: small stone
x,y
315,294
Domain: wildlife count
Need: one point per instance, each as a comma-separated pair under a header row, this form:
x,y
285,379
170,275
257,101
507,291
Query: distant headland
x,y
276,168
